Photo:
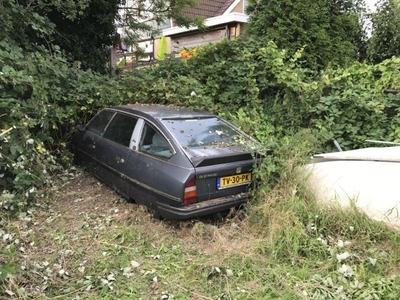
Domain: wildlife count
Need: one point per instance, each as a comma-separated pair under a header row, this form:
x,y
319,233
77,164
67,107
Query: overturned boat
x,y
367,177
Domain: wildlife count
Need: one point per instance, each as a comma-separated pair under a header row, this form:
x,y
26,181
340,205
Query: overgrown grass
x,y
84,242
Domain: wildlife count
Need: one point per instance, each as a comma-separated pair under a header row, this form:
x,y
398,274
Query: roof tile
x,y
209,8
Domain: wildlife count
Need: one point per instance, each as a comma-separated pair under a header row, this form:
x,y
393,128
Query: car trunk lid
x,y
221,173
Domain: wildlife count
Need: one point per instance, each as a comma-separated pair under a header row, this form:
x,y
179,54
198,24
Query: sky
x,y
371,4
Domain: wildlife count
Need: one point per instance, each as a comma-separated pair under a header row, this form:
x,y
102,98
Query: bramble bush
x,y
42,98
359,102
262,90
247,77
257,86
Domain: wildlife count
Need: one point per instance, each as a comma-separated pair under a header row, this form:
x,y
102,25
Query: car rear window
x,y
205,133
99,122
120,129
153,143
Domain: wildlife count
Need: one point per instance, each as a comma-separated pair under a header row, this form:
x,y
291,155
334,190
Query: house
x,y
223,19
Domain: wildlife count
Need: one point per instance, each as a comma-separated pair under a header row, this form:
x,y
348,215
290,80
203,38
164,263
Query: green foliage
x,y
24,24
329,31
43,23
144,18
235,84
167,87
41,100
85,31
385,40
354,106
262,129
267,93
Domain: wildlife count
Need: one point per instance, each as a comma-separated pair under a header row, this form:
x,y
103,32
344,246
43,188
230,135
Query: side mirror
x,y
81,127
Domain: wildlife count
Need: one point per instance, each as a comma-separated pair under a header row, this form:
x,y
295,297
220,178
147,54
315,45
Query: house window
x,y
165,25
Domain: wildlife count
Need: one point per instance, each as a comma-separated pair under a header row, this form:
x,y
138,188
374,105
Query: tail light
x,y
190,194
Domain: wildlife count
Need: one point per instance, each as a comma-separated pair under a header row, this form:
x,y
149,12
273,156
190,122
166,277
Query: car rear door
x,y
113,152
86,139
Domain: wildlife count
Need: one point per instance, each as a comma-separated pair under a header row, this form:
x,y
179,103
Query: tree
x,y
23,26
82,29
144,17
85,29
329,30
385,40
87,35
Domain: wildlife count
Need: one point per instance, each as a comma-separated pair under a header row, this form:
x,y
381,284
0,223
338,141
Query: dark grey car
x,y
179,163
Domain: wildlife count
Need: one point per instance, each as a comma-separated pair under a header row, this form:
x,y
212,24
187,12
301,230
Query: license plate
x,y
235,180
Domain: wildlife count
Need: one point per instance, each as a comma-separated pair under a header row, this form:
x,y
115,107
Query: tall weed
x,y
328,252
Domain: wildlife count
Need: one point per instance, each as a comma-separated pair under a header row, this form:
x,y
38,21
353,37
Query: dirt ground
x,y
78,219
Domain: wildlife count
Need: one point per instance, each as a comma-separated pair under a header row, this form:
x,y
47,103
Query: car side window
x,y
120,129
99,122
154,143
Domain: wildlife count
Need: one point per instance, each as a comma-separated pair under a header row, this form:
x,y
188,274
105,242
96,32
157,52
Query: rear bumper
x,y
204,208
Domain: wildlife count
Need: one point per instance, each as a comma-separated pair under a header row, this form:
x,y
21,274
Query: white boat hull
x,y
369,178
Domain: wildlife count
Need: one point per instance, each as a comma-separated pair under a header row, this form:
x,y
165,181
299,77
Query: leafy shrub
x,y
178,91
255,85
41,100
353,105
247,77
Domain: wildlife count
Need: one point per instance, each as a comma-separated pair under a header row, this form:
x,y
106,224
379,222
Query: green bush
x,y
42,98
353,104
246,77
255,85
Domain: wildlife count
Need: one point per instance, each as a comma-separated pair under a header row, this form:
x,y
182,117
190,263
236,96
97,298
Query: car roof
x,y
163,111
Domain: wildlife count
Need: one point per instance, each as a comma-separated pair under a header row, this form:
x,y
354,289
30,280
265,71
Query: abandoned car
x,y
179,163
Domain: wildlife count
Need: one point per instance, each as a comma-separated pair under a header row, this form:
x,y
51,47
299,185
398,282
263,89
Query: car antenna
x,y
337,145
